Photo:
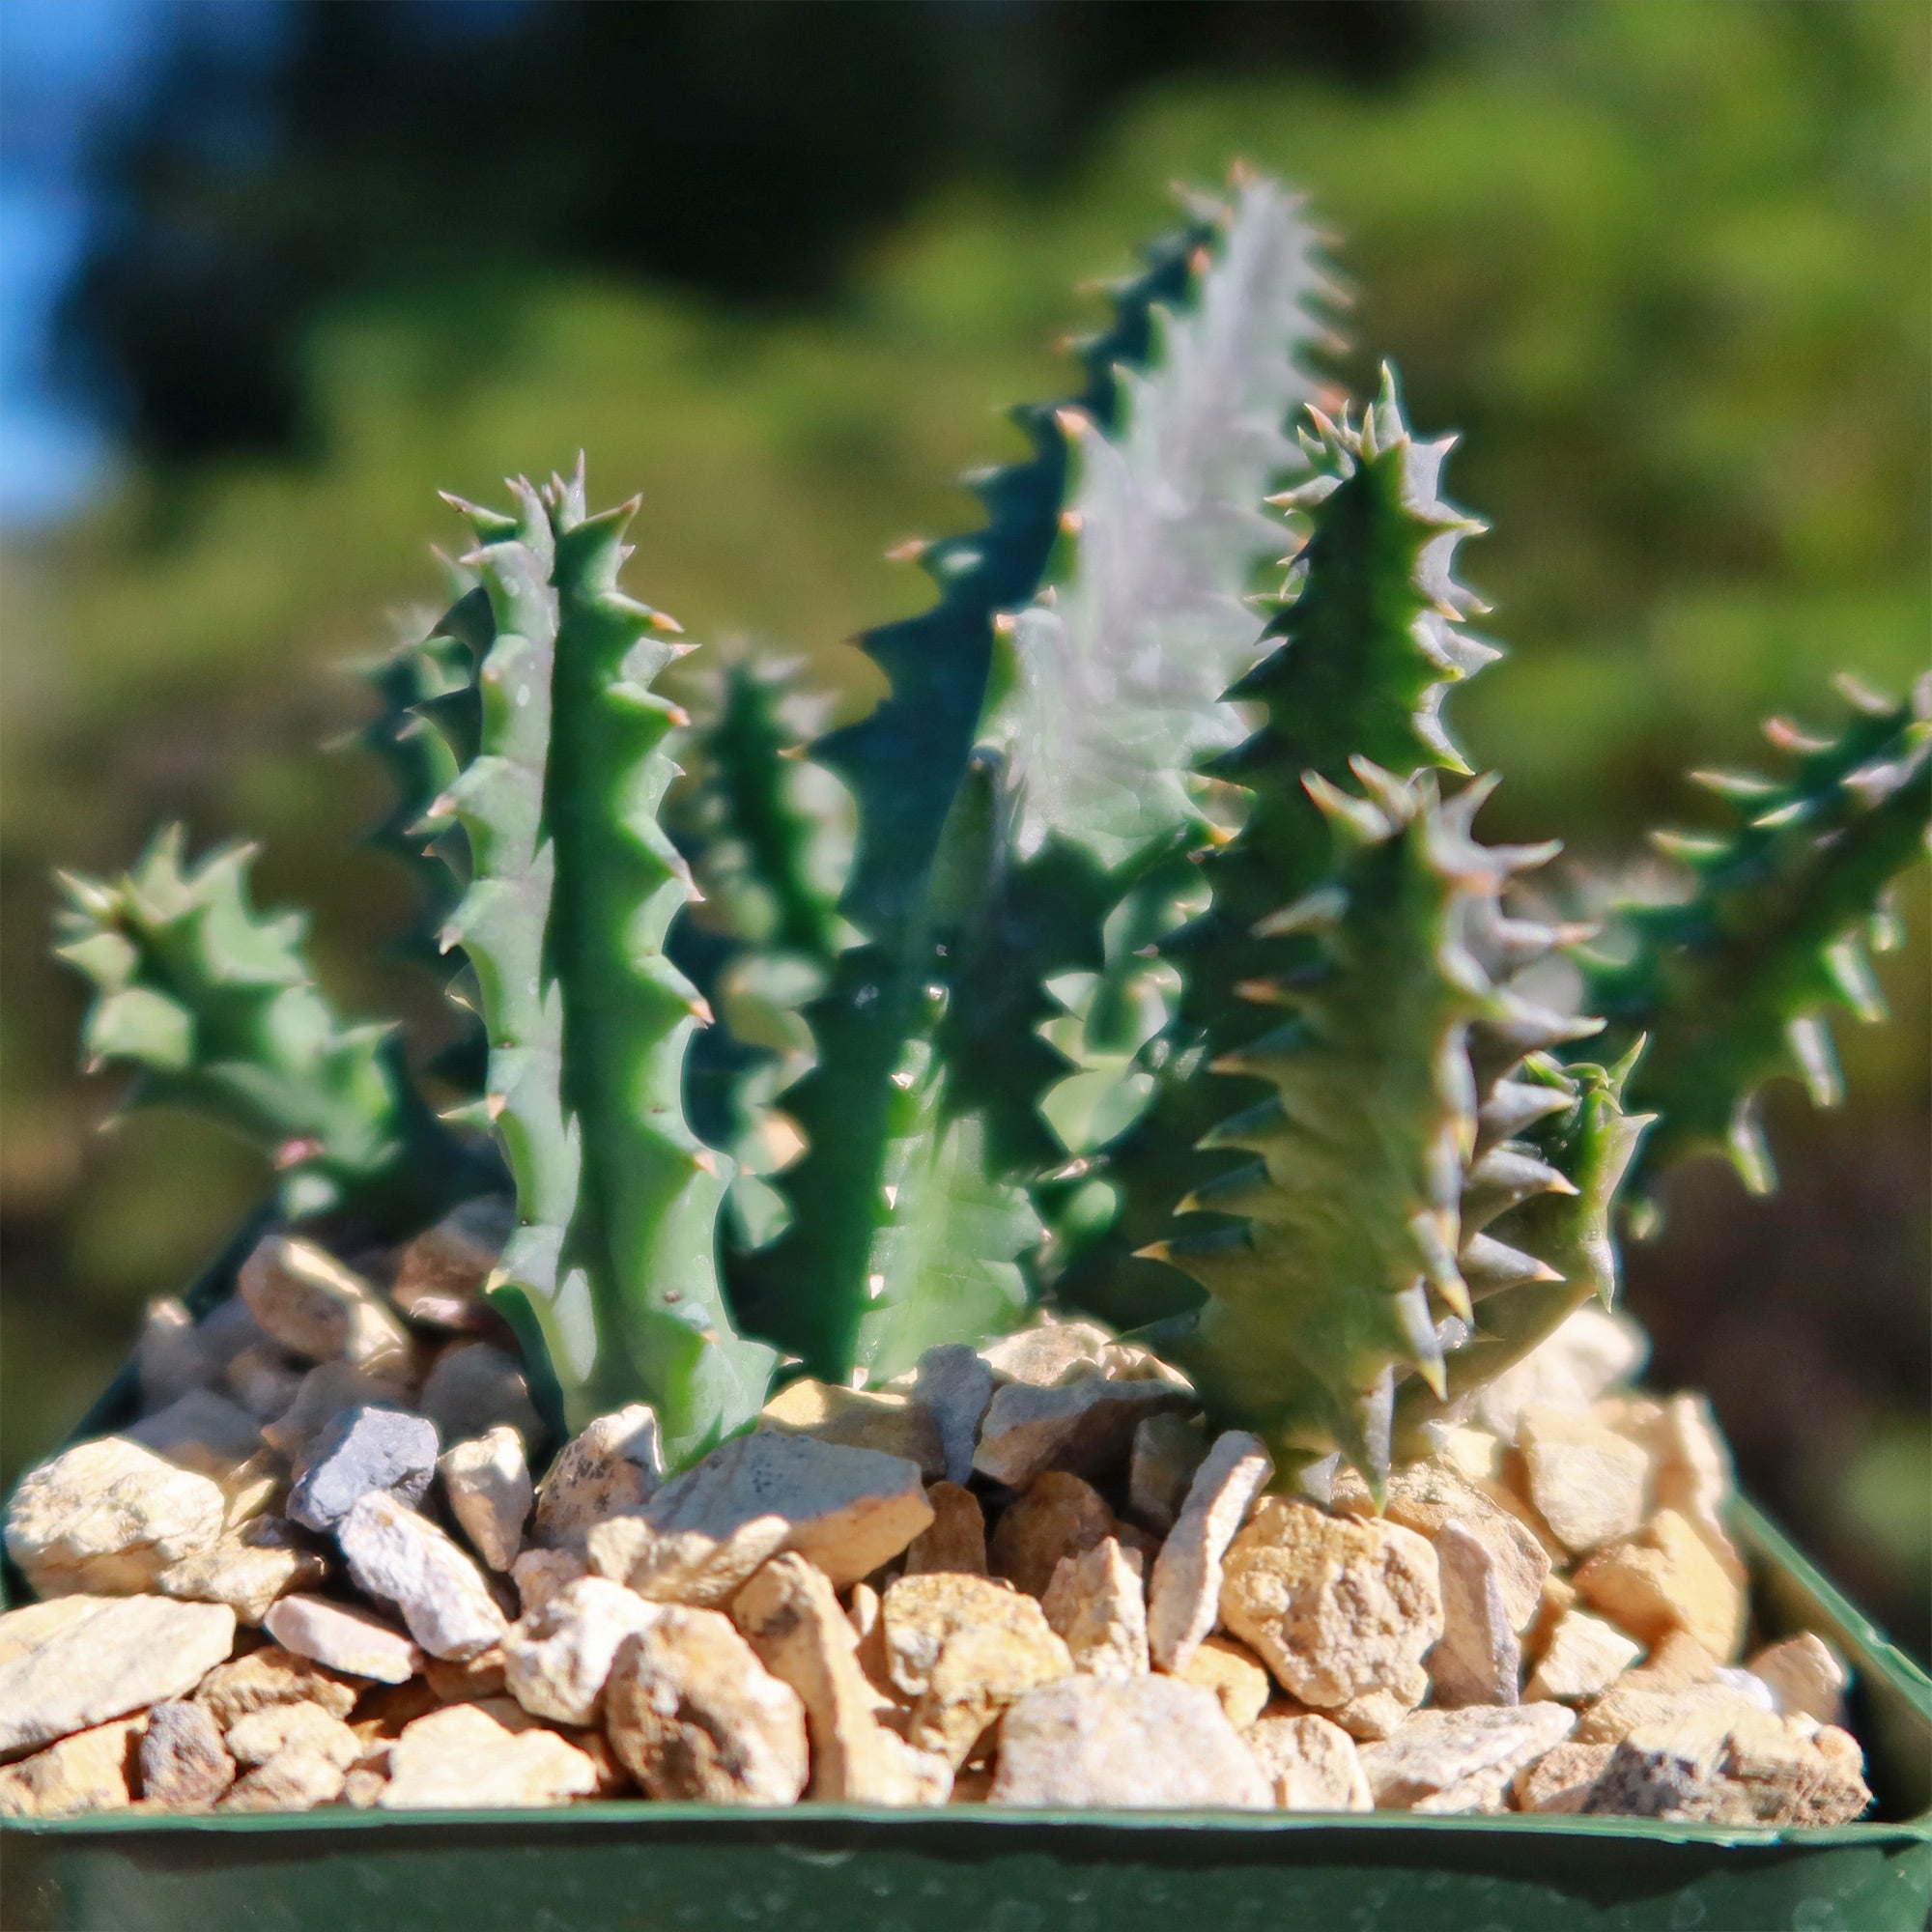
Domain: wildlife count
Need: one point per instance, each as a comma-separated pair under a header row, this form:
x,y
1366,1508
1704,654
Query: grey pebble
x,y
362,1449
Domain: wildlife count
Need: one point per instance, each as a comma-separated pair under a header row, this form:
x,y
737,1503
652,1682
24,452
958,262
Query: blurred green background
x,y
778,266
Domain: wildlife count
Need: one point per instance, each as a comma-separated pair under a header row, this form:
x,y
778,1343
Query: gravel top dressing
x,y
1029,1577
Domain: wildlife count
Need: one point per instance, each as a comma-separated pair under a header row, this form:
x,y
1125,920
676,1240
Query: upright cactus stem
x,y
1355,660
1140,499
612,1264
216,1009
1578,1129
763,833
1732,984
1115,672
1355,1239
423,673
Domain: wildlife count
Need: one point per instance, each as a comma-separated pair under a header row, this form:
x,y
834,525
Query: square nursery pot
x,y
634,1866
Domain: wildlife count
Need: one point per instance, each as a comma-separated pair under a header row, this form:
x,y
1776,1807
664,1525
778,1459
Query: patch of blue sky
x,y
62,63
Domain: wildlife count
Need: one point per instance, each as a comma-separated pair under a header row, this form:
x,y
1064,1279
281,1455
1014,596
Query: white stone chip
x,y
1588,1482
613,1467
1086,1427
107,1517
32,1623
314,1306
684,1566
791,1617
848,1510
464,1758
1314,1765
120,1656
487,1483
1140,1744
694,1715
1805,1676
1590,1352
247,1569
1582,1659
1341,1611
1478,1660
1096,1605
540,1574
1049,1353
291,1781
1184,1600
265,1733
343,1638
1454,1761
402,1558
557,1659
91,1771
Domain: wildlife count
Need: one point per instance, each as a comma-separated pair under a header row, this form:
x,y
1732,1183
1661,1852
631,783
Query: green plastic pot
x,y
641,1867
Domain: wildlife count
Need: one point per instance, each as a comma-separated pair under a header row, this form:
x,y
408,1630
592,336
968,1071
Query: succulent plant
x,y
1168,979
1731,984
768,841
216,1009
1387,1191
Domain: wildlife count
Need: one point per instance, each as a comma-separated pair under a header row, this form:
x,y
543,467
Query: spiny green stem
x,y
1358,655
1731,985
216,1010
1590,1141
574,883
1360,1223
931,850
761,831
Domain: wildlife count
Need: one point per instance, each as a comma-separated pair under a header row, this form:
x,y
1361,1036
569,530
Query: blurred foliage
x,y
1663,266
745,150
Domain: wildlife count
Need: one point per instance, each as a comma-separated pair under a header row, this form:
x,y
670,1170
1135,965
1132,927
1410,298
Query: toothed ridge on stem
x,y
432,678
762,830
1119,668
